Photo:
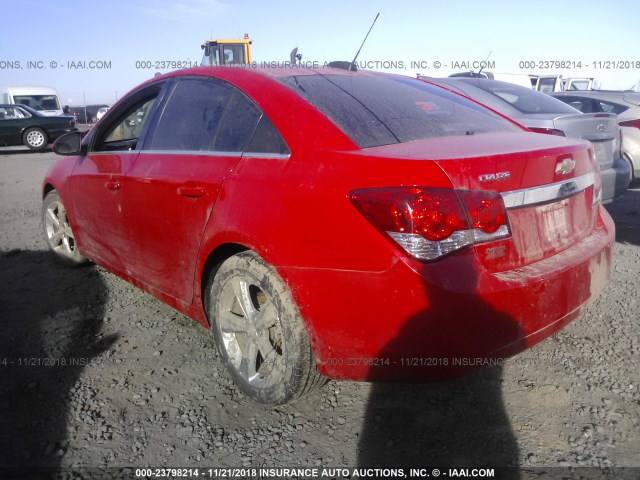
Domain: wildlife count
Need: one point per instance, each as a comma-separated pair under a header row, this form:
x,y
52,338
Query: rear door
x,y
201,132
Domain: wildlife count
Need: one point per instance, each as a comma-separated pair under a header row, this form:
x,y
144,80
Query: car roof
x,y
247,71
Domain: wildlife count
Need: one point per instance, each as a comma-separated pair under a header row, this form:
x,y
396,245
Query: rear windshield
x,y
380,110
525,100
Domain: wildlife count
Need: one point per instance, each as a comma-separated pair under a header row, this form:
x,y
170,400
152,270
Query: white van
x,y
556,83
43,99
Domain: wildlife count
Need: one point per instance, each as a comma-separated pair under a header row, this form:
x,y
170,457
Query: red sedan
x,y
352,225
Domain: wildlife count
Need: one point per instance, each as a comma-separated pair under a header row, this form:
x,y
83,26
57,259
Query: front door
x,y
97,183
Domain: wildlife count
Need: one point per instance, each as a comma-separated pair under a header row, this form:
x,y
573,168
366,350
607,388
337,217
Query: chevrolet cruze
x,y
331,223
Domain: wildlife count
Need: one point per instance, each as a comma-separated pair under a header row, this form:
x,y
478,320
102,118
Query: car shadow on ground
x,y
625,211
50,328
453,423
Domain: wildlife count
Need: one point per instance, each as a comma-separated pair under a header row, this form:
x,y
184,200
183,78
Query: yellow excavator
x,y
226,52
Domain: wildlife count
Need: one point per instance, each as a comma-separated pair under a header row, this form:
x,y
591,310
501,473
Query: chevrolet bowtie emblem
x,y
566,166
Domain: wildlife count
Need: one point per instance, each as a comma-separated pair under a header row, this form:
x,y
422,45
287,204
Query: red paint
x,y
154,219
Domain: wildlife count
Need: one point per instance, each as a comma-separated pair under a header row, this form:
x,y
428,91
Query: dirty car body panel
x,y
416,232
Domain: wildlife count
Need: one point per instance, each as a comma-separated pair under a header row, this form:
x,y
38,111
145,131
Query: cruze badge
x,y
492,177
566,166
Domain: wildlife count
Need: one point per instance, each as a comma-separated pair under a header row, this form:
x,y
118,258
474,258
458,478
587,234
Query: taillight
x,y
548,131
630,123
619,147
72,123
431,222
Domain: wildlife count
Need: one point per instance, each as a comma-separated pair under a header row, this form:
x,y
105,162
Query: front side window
x,y
233,54
580,85
547,85
124,128
130,127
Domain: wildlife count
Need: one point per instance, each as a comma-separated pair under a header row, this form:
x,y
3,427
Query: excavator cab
x,y
226,52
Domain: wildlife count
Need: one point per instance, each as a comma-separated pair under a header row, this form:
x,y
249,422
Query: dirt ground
x,y
146,387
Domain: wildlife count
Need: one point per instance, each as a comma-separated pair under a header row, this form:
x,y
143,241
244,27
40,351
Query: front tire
x,y
259,332
57,231
35,139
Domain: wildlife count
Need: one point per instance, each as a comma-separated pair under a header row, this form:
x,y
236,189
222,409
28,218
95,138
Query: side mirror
x,y
69,144
66,109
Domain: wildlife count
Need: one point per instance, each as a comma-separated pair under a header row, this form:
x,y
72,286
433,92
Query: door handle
x,y
191,191
113,185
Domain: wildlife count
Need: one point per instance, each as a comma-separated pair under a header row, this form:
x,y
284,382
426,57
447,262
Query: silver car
x,y
544,114
626,105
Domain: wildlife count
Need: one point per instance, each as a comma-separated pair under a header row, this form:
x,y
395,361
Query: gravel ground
x,y
147,389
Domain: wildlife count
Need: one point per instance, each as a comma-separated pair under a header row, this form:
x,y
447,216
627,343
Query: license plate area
x,y
603,150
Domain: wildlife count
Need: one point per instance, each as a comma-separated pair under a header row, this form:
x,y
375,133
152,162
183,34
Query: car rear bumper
x,y
615,180
428,321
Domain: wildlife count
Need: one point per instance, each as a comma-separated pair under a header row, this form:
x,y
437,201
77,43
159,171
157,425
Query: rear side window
x,y
266,139
191,118
582,104
380,110
612,107
592,105
240,119
212,115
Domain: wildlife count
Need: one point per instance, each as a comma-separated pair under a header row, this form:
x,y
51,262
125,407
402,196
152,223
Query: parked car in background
x,y
22,125
101,113
356,225
515,78
544,114
625,104
88,114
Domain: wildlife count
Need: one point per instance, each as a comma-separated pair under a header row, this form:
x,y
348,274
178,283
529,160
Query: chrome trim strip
x,y
282,156
215,154
204,153
547,193
111,152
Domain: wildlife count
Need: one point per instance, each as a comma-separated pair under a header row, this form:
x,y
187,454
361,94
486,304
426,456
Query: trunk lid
x,y
546,182
601,129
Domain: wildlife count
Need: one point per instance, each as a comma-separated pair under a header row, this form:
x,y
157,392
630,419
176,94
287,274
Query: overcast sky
x,y
44,42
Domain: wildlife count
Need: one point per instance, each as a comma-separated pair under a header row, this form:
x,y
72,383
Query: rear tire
x,y
35,139
259,332
57,231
